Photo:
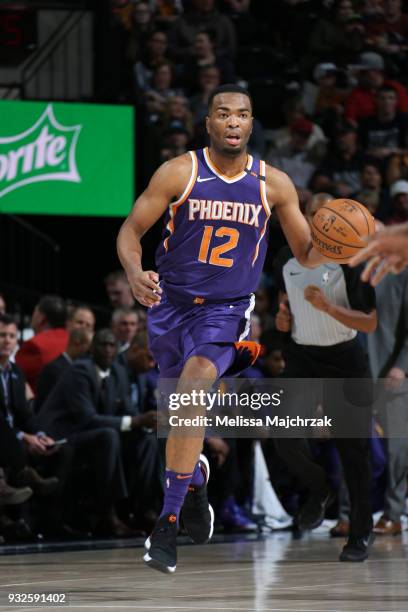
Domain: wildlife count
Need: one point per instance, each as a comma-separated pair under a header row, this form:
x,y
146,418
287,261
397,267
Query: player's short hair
x,y
55,309
228,88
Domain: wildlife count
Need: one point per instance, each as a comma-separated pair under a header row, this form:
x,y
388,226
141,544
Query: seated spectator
x,y
81,317
386,132
264,308
141,29
372,193
209,79
161,87
340,170
273,363
397,167
293,112
124,327
167,11
201,15
176,139
206,55
50,339
119,291
399,197
2,304
371,77
177,110
336,37
155,54
294,158
323,98
22,445
79,343
244,22
141,449
389,32
90,406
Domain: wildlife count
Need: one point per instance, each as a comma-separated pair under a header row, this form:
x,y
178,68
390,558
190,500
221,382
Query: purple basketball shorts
x,y
177,331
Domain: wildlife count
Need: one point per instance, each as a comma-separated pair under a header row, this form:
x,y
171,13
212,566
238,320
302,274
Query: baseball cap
x,y
322,69
302,126
398,187
370,61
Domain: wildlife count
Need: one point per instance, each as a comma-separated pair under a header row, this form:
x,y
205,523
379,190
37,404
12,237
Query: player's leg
x,y
184,471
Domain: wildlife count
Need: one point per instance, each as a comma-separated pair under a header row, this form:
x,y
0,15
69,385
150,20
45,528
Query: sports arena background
x,y
329,82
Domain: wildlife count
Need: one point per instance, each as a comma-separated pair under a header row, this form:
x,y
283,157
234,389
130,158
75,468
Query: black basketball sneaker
x,y
161,546
197,514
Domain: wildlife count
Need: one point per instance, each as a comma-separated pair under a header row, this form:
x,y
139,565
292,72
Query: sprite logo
x,y
44,152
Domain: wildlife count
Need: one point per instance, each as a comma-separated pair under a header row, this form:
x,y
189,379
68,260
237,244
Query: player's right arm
x,y
167,183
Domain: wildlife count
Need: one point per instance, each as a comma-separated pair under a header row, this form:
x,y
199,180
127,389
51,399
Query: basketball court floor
x,y
269,573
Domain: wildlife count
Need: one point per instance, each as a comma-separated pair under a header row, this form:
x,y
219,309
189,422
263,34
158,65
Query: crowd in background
x,y
79,455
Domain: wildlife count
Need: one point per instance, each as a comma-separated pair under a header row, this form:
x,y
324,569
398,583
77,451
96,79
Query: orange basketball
x,y
339,229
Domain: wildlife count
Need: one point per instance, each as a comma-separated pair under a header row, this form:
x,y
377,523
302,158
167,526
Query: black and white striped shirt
x,y
342,286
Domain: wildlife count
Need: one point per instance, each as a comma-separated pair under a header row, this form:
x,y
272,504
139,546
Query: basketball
x,y
340,228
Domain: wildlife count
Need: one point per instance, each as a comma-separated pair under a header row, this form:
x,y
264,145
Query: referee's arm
x,y
355,319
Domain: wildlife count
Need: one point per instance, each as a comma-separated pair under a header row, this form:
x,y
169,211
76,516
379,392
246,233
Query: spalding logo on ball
x,y
340,229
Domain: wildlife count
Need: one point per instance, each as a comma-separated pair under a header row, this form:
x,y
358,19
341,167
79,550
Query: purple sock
x,y
175,490
198,478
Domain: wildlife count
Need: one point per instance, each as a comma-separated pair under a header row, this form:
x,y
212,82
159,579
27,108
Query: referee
x,y
323,309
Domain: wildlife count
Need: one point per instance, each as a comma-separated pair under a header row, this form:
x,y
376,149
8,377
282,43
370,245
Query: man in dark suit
x,y
79,343
143,455
90,406
21,442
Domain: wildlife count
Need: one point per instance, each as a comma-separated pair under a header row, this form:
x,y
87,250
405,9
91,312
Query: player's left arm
x,y
282,195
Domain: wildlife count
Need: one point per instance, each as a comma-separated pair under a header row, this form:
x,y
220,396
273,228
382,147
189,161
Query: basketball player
x,y
217,203
386,252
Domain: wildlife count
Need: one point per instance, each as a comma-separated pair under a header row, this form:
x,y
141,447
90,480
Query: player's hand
x,y
315,296
145,287
394,378
283,319
386,252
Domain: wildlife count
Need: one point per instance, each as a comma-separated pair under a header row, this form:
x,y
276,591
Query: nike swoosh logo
x,y
200,180
294,273
180,477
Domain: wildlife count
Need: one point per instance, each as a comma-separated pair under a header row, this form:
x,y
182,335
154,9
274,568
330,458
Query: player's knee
x,y
199,367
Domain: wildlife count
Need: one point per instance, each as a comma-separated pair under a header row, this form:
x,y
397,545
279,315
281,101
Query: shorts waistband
x,y
198,300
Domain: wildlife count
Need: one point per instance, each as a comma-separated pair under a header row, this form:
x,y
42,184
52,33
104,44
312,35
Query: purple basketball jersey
x,y
215,240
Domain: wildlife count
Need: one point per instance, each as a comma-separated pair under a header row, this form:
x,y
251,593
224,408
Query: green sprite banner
x,y
66,159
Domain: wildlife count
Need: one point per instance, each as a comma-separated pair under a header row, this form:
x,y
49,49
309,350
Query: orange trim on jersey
x,y
219,173
262,188
175,205
259,241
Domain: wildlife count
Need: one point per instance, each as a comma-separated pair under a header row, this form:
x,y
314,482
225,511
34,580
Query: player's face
x,y
229,123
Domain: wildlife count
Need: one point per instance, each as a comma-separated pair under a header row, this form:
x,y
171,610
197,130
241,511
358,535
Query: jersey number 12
x,y
215,258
